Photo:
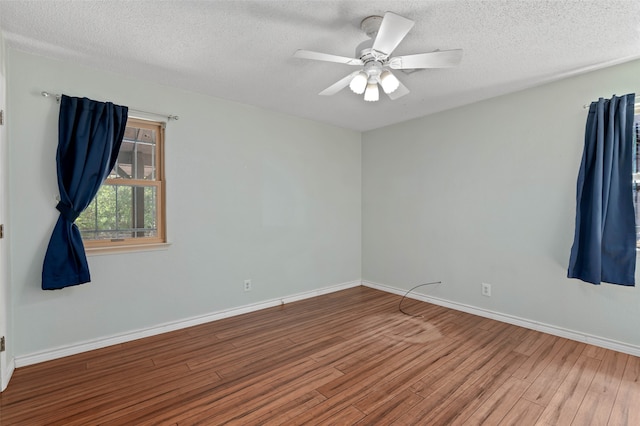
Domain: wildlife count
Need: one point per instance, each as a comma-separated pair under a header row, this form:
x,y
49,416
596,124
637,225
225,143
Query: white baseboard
x,y
11,365
48,355
21,361
510,319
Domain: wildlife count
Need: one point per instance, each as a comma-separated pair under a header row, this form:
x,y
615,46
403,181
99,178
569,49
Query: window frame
x,y
140,243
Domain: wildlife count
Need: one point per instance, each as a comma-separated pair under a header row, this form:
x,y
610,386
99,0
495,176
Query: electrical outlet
x,y
247,285
486,289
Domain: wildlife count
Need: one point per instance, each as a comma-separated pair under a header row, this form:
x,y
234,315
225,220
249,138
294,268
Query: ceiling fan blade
x,y
318,56
339,85
392,30
438,59
399,92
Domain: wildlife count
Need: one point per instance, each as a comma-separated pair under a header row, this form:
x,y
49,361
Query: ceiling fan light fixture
x,y
371,94
359,83
389,82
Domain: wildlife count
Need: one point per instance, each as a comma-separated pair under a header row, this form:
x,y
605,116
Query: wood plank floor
x,y
345,358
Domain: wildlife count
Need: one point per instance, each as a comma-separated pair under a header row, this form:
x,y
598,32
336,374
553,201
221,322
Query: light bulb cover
x,y
371,94
359,83
389,82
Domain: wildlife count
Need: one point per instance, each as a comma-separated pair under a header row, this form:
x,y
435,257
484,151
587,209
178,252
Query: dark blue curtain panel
x,y
604,245
89,137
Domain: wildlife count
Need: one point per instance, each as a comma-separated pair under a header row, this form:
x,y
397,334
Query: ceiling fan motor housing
x,y
364,52
370,25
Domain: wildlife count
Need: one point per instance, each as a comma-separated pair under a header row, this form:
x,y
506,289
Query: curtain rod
x,y
169,116
586,106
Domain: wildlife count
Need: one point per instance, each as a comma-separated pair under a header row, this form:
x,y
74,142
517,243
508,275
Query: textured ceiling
x,y
241,50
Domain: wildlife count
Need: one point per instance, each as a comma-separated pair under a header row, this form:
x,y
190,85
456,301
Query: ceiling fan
x,y
373,56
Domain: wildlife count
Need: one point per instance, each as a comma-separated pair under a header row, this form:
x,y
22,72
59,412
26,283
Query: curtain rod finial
x,y
47,94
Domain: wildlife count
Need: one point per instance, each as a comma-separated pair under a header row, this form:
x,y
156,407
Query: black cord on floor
x,y
407,293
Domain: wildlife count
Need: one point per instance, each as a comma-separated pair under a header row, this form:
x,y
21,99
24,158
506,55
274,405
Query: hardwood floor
x,y
345,358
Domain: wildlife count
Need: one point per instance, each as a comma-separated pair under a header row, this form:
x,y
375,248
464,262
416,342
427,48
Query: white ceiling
x,y
241,50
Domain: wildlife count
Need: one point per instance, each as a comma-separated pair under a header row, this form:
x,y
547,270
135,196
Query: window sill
x,y
131,248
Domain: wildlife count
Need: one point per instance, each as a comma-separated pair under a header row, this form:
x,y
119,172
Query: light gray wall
x,y
250,193
486,193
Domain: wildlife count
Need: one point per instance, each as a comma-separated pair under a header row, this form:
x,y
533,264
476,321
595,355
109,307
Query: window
x,y
636,171
129,207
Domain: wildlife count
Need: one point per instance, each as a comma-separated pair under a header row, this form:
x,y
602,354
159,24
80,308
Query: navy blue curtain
x,y
89,137
604,245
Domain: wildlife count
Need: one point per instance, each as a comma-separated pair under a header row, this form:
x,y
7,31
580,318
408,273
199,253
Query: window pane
x,y
137,156
120,211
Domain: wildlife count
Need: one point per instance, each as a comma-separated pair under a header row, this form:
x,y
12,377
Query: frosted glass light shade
x,y
371,94
389,82
359,83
